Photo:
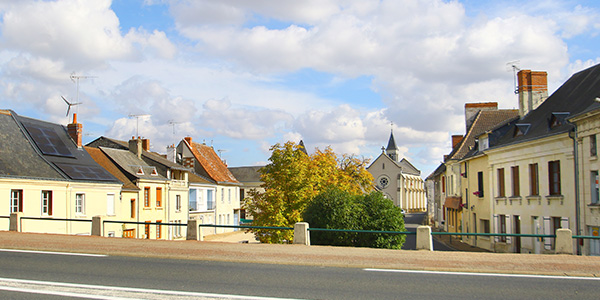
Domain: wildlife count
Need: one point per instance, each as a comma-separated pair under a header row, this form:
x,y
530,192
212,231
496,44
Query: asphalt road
x,y
411,222
197,278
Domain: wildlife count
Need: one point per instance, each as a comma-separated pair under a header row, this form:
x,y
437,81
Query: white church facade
x,y
398,179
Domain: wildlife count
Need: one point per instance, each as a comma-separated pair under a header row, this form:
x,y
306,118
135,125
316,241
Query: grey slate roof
x,y
39,149
391,143
246,174
130,164
575,96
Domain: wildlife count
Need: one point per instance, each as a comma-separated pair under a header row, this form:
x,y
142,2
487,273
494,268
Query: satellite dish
x,y
69,104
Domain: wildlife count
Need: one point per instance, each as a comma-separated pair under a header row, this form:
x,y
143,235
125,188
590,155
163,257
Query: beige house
x,y
206,164
46,176
249,177
586,156
398,180
163,189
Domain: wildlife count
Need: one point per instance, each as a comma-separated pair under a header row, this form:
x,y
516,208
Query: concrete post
x,y
564,241
15,221
98,226
301,234
193,232
424,240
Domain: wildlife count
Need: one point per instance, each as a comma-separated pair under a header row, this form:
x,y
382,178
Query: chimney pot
x,y
75,131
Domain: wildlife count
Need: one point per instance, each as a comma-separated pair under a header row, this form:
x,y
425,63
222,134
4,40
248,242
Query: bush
x,y
336,209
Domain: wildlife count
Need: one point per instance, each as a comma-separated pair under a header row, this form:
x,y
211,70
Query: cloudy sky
x,y
243,75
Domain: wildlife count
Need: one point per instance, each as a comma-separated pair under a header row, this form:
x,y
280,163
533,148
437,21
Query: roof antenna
x,y
137,127
514,67
173,123
75,78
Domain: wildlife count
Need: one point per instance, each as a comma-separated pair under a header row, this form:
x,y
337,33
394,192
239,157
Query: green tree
x,y
337,209
292,179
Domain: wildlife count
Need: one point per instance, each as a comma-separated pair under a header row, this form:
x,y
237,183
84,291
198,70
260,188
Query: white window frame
x,y
15,202
80,204
46,203
110,205
178,203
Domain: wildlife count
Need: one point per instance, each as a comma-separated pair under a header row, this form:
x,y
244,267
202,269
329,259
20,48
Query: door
x,y
537,241
517,230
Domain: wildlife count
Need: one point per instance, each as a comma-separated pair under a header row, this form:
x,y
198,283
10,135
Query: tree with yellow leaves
x,y
292,179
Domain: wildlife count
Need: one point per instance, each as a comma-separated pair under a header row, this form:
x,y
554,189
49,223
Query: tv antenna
x,y
75,78
173,123
221,152
70,104
137,120
514,67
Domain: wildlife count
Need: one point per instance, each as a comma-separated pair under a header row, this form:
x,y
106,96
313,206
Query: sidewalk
x,y
456,244
309,255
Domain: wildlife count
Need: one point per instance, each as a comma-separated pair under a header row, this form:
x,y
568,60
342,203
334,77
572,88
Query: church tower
x,y
392,149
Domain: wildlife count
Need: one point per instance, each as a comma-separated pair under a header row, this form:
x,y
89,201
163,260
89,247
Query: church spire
x,y
392,149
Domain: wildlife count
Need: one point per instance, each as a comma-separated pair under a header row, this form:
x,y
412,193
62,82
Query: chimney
x,y
146,144
75,131
456,139
532,89
135,146
471,110
188,140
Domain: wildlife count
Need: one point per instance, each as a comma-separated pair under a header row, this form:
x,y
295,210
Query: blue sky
x,y
244,75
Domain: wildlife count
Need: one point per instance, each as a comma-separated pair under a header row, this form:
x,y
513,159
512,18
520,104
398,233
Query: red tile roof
x,y
212,164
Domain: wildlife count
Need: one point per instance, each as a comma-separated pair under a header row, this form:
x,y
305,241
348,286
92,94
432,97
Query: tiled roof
x,y
108,165
484,121
131,164
211,163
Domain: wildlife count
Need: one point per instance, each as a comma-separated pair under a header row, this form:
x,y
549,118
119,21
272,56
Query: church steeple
x,y
392,149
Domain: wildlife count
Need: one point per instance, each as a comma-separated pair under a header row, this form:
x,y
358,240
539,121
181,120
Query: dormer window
x,y
557,119
154,173
521,129
483,143
140,171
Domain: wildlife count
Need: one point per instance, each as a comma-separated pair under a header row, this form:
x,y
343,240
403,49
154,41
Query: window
x,y
158,197
593,145
480,184
147,230
222,195
16,201
228,195
110,204
485,226
132,208
554,177
516,189
177,228
147,197
594,184
47,203
384,182
210,199
80,204
178,203
501,192
533,180
502,227
443,184
158,230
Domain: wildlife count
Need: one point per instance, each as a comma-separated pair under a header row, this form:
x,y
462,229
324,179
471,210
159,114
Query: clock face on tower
x,y
383,181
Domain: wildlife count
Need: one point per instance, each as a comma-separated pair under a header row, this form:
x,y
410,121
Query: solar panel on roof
x,y
81,172
48,140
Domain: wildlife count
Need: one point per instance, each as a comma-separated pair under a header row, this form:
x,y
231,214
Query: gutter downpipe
x,y
576,162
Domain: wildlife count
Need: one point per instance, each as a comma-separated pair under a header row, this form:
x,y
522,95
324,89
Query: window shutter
x,y
508,229
496,226
20,201
50,201
547,231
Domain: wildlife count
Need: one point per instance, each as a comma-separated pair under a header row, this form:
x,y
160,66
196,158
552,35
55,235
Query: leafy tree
x,y
292,179
336,209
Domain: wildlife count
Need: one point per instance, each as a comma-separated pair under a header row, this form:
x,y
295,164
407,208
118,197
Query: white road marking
x,y
482,274
110,292
51,252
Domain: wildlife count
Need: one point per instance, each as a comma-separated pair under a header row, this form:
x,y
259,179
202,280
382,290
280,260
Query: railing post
x,y
97,226
15,221
424,240
564,241
301,234
192,230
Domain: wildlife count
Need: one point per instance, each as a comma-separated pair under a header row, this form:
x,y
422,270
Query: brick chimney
x,y
188,140
532,89
471,110
146,144
75,130
456,140
135,146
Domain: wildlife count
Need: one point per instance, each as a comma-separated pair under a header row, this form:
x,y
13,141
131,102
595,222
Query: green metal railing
x,y
361,231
